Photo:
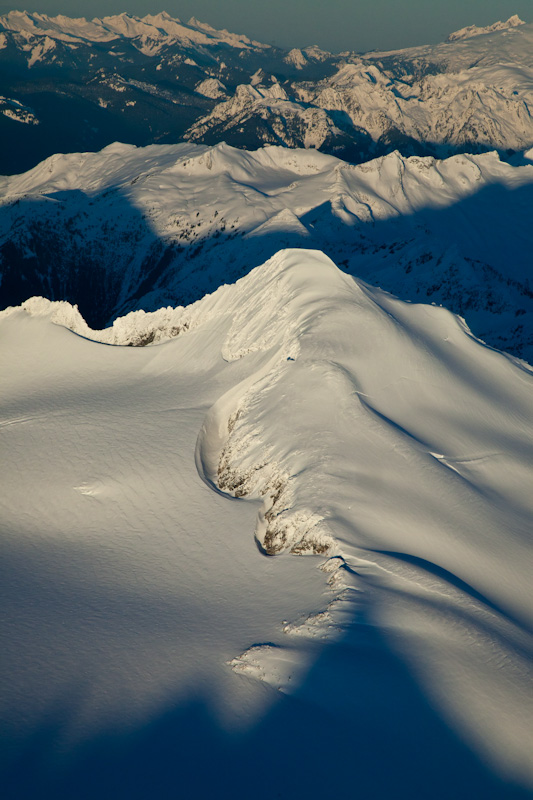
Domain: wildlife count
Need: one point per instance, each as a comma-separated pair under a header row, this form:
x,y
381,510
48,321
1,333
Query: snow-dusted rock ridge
x,y
141,228
378,434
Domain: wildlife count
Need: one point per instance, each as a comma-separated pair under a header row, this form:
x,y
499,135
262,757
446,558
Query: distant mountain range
x,y
75,85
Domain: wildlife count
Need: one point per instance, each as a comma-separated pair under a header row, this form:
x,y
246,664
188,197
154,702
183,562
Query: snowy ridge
x,y
509,45
473,30
136,329
163,225
378,433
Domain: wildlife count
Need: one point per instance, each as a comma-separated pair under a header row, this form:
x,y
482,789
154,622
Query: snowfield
x,y
161,635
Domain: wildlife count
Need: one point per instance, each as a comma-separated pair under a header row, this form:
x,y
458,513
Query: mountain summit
x,y
138,228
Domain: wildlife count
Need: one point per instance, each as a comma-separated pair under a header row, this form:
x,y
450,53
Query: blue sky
x,y
333,24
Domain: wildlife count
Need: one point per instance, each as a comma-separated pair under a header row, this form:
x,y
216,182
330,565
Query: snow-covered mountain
x,y
473,30
140,228
70,84
457,96
148,34
147,643
88,83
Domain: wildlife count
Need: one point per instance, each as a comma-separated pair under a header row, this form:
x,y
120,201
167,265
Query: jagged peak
x,y
162,15
211,87
159,26
196,23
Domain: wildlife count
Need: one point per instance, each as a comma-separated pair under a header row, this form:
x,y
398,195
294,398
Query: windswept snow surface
x,y
151,646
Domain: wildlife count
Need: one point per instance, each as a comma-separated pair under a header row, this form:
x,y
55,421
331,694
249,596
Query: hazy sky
x,y
333,24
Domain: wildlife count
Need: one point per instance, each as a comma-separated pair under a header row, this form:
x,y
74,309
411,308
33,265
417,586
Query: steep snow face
x,y
139,228
379,435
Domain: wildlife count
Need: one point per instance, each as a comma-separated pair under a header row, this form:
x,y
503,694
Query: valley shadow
x,y
52,250
358,726
101,253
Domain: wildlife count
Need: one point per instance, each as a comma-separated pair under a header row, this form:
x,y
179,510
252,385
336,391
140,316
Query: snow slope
x,y
504,44
378,435
140,228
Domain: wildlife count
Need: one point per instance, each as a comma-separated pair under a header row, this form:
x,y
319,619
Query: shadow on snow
x,y
359,725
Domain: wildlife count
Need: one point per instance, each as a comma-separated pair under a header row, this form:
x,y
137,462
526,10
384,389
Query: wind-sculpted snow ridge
x,y
144,228
136,329
377,434
396,476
